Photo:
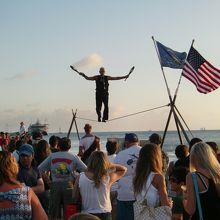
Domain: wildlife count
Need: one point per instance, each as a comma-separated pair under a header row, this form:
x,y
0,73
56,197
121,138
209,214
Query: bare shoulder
x,y
158,180
158,177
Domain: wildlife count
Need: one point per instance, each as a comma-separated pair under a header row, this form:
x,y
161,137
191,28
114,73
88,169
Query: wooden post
x,y
71,124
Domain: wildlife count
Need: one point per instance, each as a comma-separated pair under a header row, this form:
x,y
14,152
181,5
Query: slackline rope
x,y
126,115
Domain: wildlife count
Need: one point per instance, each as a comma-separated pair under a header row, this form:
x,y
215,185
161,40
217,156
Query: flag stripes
x,y
201,73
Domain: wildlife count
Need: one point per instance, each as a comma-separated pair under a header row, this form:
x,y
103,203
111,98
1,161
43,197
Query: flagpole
x,y
168,90
177,89
174,100
171,101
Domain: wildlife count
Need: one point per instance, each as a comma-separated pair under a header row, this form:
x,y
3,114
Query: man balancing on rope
x,y
102,90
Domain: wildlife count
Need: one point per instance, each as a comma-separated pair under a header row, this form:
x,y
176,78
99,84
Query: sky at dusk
x,y
39,40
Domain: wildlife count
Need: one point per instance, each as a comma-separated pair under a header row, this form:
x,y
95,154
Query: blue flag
x,y
170,58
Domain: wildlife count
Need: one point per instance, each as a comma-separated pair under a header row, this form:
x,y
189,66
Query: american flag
x,y
200,72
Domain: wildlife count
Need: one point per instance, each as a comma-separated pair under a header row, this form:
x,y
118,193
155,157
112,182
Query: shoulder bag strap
x,y
197,195
148,186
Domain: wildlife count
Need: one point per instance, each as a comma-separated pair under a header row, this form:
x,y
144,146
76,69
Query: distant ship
x,y
43,128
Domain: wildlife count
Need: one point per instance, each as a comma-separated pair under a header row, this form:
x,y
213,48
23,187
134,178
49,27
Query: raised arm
x,y
117,172
88,77
83,74
118,77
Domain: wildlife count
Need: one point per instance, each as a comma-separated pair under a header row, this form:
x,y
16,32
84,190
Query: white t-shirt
x,y
22,129
86,141
112,157
127,158
152,195
62,165
94,200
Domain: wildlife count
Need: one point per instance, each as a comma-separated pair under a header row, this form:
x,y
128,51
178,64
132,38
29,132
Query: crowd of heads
x,y
33,149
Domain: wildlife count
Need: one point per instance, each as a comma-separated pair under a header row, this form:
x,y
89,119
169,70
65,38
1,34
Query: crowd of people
x,y
38,178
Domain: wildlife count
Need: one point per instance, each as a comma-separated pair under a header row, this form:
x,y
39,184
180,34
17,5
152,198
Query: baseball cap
x,y
155,138
131,137
26,149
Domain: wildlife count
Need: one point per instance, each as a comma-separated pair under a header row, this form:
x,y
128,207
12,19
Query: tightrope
x,y
125,116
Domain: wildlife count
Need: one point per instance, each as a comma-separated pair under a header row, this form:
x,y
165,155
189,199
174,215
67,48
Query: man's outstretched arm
x,y
84,75
118,77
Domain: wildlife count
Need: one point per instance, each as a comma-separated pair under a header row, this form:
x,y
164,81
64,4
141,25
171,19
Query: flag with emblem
x,y
170,58
200,72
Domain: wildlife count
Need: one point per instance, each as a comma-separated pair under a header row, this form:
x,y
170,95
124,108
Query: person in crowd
x,y
127,158
4,145
193,141
88,143
16,150
177,179
181,152
42,152
17,201
102,91
26,139
112,147
7,138
22,130
215,148
62,165
36,137
12,144
29,174
207,169
95,184
149,181
156,139
2,137
53,141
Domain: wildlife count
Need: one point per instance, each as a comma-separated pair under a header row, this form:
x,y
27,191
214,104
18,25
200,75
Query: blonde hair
x,y
202,155
99,165
8,168
150,160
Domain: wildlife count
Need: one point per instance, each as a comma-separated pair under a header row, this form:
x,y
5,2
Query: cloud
x,y
23,76
92,61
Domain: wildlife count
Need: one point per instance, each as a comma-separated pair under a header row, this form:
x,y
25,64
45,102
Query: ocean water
x,y
170,143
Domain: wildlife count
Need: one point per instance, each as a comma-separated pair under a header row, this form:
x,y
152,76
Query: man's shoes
x,y
99,119
103,120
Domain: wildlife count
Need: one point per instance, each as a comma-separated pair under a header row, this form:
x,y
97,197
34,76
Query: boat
x,y
38,127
